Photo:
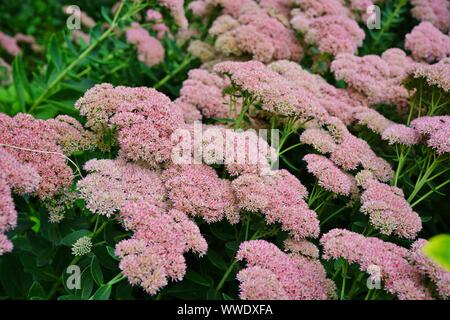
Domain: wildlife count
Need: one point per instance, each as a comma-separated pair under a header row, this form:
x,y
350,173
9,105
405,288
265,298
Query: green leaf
x,y
438,250
20,81
96,271
71,238
68,297
102,293
87,283
112,253
54,53
197,278
216,260
36,291
226,297
105,14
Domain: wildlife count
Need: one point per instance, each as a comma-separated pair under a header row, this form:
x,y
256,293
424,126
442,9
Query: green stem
x,y
429,193
344,279
332,215
74,63
183,65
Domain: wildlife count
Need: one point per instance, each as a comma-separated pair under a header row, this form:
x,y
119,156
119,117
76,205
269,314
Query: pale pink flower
x,y
189,111
294,277
319,139
330,177
280,197
379,79
153,15
197,190
9,44
112,183
5,244
37,143
399,277
427,43
150,50
302,247
437,74
203,90
388,210
436,129
335,34
399,133
256,283
277,94
176,8
435,11
374,120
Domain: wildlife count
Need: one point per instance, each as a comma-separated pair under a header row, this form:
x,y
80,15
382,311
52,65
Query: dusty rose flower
x,y
177,11
399,277
197,190
330,177
302,247
399,133
319,139
9,44
39,144
436,129
379,79
437,74
335,34
388,210
112,183
435,11
280,198
150,50
427,43
273,274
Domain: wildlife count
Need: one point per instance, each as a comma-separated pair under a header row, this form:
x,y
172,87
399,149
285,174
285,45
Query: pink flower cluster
x,y
203,91
328,25
337,102
161,234
330,177
435,11
280,197
437,74
388,210
155,252
11,44
198,191
378,79
246,27
439,276
14,177
112,183
272,274
150,50
43,145
277,94
436,129
427,43
176,8
399,277
144,117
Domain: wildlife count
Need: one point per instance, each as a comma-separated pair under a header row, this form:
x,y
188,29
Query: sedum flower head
x,y
82,246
